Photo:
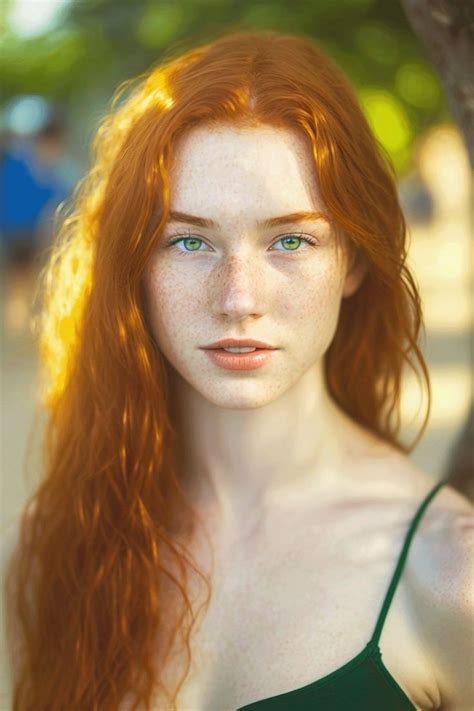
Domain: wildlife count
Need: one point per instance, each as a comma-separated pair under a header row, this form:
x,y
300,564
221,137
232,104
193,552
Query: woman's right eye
x,y
193,244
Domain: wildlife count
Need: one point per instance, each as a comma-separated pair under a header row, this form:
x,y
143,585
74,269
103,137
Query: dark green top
x,y
363,683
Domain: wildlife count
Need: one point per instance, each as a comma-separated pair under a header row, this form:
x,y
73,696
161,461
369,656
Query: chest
x,y
296,604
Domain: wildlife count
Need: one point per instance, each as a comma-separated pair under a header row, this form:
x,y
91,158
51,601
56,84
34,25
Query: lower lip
x,y
240,361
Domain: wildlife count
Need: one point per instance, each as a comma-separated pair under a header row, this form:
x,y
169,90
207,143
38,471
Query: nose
x,y
236,289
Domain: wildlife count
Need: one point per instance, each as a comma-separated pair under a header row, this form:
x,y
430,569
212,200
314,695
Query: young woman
x,y
220,529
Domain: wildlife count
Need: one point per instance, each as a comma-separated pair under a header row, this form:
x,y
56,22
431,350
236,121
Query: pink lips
x,y
239,343
240,361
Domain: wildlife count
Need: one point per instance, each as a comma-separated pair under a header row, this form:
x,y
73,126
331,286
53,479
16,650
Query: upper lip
x,y
238,343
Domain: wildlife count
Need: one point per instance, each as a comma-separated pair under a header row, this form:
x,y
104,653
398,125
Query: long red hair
x,y
102,561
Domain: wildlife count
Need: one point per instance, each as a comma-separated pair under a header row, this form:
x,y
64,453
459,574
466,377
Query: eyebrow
x,y
301,216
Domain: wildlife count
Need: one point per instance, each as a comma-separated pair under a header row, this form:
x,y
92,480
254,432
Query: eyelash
x,y
305,237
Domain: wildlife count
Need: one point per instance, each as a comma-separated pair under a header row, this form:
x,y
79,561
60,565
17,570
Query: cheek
x,y
173,303
314,298
310,314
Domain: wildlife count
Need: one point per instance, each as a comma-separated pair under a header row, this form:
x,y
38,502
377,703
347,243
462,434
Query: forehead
x,y
240,172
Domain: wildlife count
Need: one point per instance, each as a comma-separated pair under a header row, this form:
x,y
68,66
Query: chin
x,y
238,397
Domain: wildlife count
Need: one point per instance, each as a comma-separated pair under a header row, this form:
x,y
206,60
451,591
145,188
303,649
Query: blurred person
x,y
228,517
36,175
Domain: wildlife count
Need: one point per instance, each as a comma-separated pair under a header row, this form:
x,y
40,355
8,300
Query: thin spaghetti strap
x,y
401,562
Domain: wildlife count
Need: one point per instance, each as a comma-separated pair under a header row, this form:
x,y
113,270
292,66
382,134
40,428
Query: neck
x,y
241,462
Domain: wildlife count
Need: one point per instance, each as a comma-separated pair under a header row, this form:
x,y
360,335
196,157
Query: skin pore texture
x,y
252,436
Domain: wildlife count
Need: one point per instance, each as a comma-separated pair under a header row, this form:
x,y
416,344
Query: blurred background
x,y
61,60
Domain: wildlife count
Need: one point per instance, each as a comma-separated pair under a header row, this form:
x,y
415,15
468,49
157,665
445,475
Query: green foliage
x,y
102,42
418,85
377,43
159,24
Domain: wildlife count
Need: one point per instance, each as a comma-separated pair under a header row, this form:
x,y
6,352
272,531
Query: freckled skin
x,y
244,282
296,496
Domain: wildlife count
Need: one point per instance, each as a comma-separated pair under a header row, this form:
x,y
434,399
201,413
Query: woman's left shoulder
x,y
440,579
443,548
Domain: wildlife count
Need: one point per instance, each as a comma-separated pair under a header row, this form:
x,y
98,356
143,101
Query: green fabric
x,y
363,683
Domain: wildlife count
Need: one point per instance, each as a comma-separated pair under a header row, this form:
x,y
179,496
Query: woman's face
x,y
240,278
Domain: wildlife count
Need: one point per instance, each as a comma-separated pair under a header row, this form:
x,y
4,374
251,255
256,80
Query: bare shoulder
x,y
443,552
439,576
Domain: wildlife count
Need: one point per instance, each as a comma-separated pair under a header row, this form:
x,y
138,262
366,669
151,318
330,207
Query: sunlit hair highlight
x,y
99,588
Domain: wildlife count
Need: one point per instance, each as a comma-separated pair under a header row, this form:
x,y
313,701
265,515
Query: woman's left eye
x,y
291,241
295,238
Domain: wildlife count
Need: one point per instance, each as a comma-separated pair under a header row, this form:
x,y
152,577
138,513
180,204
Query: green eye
x,y
296,242
192,244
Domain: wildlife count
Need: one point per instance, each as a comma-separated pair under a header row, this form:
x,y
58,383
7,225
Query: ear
x,y
355,274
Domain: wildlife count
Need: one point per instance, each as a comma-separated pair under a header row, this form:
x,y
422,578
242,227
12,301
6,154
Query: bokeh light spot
x,y
418,86
387,119
377,42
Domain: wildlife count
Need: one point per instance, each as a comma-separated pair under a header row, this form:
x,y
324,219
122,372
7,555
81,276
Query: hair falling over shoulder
x,y
97,590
